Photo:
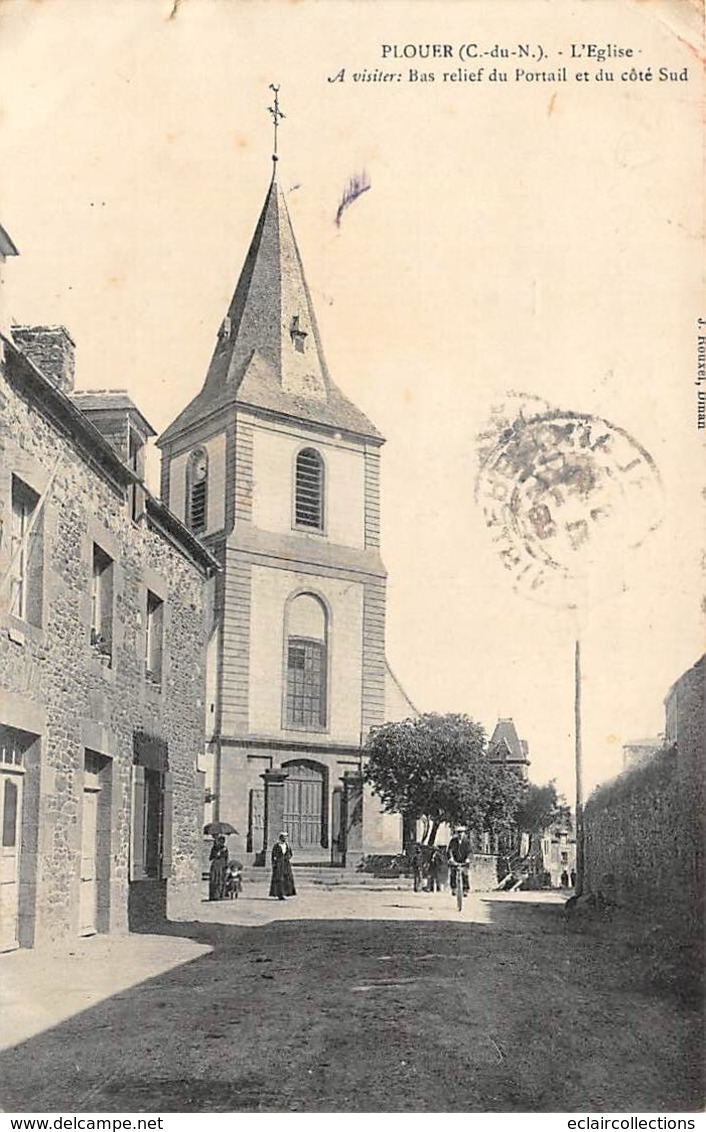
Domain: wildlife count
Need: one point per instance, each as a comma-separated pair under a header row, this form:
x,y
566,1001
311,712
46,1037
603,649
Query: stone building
x,y
506,747
552,855
278,473
102,599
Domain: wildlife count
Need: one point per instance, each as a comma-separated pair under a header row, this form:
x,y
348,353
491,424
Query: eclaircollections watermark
x,y
700,382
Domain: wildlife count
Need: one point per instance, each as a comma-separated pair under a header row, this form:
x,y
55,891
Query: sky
x,y
540,237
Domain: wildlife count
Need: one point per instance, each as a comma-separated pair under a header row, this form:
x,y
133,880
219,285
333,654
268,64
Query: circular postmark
x,y
565,496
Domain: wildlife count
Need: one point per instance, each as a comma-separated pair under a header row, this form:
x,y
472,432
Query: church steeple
x,y
268,353
269,333
279,473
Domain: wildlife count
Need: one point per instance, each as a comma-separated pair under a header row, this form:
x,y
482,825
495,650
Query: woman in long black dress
x,y
217,872
282,884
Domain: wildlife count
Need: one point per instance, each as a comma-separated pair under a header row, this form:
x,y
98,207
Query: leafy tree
x,y
540,808
434,768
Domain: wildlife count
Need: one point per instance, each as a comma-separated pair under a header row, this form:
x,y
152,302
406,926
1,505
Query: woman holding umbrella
x,y
217,873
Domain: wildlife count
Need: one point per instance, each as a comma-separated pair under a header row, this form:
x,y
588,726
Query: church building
x,y
277,472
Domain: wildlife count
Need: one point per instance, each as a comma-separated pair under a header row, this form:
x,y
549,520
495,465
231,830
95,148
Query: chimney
x,y
52,349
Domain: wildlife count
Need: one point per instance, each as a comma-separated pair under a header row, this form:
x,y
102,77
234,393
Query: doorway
x,y
10,825
94,884
88,893
305,798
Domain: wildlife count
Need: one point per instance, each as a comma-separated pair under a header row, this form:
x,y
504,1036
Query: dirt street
x,y
349,1000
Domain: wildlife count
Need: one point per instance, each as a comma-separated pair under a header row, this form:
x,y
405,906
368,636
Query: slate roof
x,y
505,744
268,354
43,393
111,400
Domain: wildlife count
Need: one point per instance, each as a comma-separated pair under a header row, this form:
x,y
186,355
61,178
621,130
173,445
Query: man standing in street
x,y
417,867
459,858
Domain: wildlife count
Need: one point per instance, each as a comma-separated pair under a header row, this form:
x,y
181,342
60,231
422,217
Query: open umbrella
x,y
215,828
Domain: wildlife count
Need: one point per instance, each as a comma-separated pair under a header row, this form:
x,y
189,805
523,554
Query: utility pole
x,y
579,770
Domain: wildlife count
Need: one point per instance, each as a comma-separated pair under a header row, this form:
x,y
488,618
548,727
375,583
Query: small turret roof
x,y
506,745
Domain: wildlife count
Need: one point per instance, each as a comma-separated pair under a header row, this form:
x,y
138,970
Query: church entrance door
x,y
304,800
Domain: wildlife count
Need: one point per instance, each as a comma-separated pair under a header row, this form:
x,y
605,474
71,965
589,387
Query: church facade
x,y
279,474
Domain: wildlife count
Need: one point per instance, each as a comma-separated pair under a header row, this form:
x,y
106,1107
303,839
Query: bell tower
x,y
278,472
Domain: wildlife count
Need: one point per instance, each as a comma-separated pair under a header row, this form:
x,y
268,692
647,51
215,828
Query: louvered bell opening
x,y
309,490
197,511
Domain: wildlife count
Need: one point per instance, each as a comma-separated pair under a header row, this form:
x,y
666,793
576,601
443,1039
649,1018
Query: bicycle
x,y
461,875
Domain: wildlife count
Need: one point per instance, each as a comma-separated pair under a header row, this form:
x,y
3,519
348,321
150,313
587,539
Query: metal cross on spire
x,y
277,115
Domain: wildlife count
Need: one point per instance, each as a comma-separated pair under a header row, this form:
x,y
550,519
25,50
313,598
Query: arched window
x,y
309,490
197,491
305,664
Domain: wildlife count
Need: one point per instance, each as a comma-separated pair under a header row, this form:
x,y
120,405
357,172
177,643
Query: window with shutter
x,y
152,793
197,491
26,554
309,490
154,633
102,604
165,856
137,832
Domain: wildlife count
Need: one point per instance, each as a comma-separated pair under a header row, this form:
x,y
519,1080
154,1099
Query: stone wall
x,y
633,834
484,872
56,686
483,869
644,843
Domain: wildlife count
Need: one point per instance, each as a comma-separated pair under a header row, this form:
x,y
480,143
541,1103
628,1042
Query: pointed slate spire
x,y
268,352
270,324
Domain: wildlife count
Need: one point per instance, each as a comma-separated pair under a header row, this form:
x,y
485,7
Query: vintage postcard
x,y
352,423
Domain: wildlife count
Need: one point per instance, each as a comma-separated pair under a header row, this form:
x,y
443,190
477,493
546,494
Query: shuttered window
x,y
309,490
154,632
151,832
197,491
102,603
26,553
197,511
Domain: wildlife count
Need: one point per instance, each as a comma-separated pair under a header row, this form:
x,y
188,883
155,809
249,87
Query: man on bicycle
x,y
459,852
